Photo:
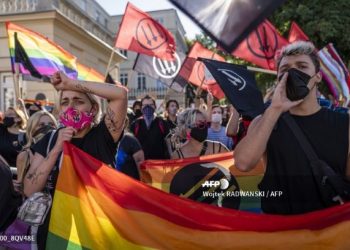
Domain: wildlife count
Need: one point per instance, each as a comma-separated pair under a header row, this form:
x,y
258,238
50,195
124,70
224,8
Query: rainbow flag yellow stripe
x,y
96,207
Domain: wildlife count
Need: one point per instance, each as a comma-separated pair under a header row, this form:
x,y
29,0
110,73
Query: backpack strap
x,y
161,126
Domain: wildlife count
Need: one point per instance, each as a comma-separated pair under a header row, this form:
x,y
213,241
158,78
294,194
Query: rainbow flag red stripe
x,y
46,56
96,207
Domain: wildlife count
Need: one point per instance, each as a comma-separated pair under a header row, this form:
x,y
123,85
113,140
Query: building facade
x,y
85,29
84,33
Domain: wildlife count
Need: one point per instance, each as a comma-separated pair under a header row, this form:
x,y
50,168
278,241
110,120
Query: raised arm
x,y
252,147
115,94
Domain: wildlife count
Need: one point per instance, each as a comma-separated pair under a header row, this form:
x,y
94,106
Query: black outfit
x,y
98,142
9,146
152,139
9,199
170,124
288,169
125,161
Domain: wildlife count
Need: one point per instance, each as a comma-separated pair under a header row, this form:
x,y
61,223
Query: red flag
x,y
200,76
261,45
140,33
296,33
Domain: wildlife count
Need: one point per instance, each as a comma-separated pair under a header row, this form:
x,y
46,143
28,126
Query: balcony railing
x,y
17,6
158,93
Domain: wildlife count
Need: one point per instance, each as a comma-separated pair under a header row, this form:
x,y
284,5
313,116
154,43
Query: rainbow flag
x,y
96,207
89,74
187,177
46,56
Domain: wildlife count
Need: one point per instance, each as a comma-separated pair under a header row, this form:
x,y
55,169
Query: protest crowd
x,y
291,135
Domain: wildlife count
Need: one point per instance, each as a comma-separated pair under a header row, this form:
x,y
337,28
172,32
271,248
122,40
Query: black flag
x,y
239,86
228,22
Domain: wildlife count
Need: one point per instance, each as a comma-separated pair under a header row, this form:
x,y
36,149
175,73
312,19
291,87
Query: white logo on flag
x,y
167,69
234,78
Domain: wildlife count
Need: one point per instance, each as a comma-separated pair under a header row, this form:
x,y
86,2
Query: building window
x,y
141,81
160,20
124,52
124,78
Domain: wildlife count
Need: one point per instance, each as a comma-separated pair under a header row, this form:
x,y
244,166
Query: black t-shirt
x,y
170,124
98,143
152,138
9,146
125,162
288,169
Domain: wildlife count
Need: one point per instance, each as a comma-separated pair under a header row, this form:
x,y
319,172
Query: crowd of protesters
x,y
124,137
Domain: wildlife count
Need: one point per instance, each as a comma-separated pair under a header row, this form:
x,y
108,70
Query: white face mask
x,y
217,118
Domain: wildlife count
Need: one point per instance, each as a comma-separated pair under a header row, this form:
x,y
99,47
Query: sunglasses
x,y
200,125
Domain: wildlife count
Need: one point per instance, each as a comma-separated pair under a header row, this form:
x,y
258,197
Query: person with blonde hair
x,y
11,134
81,124
192,125
39,124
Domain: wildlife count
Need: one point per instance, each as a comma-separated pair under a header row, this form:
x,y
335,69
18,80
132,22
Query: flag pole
x,y
260,70
109,62
16,81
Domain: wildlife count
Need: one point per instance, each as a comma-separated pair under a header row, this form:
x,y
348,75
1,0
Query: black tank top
x,y
288,168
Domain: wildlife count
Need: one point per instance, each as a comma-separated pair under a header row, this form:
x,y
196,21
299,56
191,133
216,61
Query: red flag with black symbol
x,y
261,45
139,32
296,33
195,72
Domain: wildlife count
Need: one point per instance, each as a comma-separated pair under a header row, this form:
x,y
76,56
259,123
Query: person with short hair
x,y
171,107
217,132
80,114
151,131
269,136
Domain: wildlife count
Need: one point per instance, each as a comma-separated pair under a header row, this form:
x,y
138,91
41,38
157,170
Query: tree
x,y
323,21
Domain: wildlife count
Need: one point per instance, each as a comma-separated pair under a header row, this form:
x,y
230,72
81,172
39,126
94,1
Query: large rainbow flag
x,y
186,177
89,74
96,207
46,56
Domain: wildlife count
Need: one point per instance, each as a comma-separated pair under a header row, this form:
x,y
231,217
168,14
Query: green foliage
x,y
322,21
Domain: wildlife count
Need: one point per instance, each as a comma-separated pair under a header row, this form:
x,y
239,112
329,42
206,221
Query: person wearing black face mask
x,y
151,131
10,134
192,125
288,168
39,124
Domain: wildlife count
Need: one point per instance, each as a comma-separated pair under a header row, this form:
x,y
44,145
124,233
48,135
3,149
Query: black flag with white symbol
x,y
239,86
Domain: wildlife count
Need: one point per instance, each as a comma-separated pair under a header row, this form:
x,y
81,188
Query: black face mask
x,y
43,130
138,113
296,87
199,134
9,121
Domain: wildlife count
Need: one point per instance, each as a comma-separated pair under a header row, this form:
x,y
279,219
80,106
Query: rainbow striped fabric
x,y
335,73
186,177
89,74
96,207
46,56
